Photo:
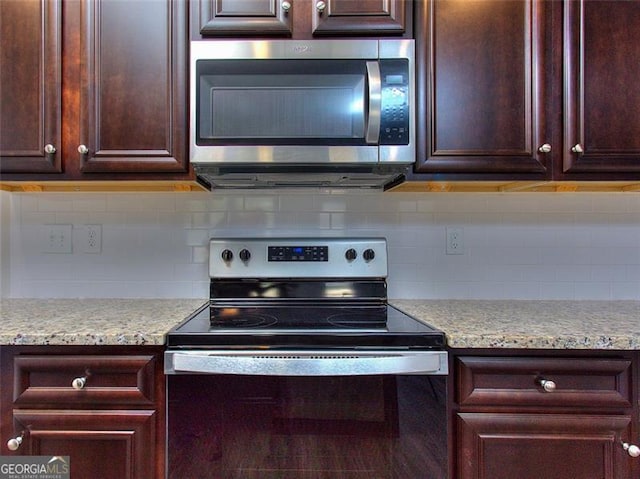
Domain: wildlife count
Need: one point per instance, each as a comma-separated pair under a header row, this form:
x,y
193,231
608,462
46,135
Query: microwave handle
x,y
375,102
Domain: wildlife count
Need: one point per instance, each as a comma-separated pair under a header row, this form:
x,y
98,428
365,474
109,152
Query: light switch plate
x,y
57,239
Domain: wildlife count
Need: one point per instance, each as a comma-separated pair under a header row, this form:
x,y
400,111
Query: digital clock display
x,y
298,253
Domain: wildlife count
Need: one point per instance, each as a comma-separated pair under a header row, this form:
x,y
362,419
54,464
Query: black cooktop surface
x,y
303,326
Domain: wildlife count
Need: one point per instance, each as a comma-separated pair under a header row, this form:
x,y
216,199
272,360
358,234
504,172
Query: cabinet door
x,y
133,110
30,59
364,17
602,101
104,444
483,87
534,446
246,17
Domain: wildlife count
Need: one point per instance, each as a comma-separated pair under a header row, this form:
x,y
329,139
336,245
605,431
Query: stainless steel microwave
x,y
336,113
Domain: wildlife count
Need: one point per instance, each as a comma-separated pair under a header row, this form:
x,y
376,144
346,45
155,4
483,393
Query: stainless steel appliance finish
x,y
298,368
316,113
302,306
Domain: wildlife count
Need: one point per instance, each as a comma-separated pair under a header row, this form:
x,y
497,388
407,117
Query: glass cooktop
x,y
299,326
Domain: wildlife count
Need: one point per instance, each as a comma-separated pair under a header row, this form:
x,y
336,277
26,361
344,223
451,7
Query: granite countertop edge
x,y
91,322
519,324
531,324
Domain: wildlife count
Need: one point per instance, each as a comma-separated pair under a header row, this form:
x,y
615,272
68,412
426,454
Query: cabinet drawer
x,y
500,381
109,380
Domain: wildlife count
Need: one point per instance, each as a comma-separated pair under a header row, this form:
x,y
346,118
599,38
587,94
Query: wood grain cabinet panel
x,y
109,380
113,427
300,19
535,446
100,444
483,75
505,425
94,86
590,383
247,17
364,17
30,76
602,101
133,86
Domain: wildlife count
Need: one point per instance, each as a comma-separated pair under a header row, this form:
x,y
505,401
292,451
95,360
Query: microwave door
x,y
375,102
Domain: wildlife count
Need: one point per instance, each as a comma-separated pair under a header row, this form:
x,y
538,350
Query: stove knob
x,y
368,254
227,255
350,254
245,255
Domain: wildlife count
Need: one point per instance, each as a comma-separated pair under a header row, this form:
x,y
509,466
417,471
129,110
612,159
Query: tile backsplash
x,y
514,245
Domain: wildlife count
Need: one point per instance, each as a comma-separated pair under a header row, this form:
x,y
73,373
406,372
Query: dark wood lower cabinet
x,y
104,407
536,446
502,421
526,414
100,444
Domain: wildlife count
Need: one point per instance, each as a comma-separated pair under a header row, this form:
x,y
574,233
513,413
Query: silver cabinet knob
x,y
547,385
546,148
49,149
79,383
286,6
321,6
632,450
83,150
14,443
577,148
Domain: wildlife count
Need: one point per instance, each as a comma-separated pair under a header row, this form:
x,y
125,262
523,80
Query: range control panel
x,y
298,253
297,258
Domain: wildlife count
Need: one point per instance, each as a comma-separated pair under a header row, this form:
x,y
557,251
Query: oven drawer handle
x,y
306,363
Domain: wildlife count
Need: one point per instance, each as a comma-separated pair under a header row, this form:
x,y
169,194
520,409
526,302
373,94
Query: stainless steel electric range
x,y
271,298
299,357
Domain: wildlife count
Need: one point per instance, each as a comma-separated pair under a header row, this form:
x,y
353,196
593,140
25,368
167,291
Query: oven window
x,y
303,427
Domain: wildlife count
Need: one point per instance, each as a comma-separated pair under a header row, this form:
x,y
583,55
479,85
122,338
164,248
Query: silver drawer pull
x,y
15,442
632,450
548,385
546,148
79,383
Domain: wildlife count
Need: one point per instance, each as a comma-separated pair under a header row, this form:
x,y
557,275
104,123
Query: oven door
x,y
271,425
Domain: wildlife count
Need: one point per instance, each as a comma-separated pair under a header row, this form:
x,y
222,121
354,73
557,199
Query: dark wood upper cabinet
x,y
133,86
299,18
483,87
30,69
364,17
245,17
104,83
602,98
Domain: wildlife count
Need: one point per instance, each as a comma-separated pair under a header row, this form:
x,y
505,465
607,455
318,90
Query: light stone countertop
x,y
91,321
466,323
531,324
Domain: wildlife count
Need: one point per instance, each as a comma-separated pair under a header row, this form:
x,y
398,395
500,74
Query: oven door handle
x,y
306,363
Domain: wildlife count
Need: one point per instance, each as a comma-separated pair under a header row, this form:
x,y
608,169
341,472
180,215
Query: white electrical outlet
x,y
455,240
92,239
57,239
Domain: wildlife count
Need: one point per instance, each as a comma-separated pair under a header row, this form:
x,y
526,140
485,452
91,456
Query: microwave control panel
x,y
394,115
